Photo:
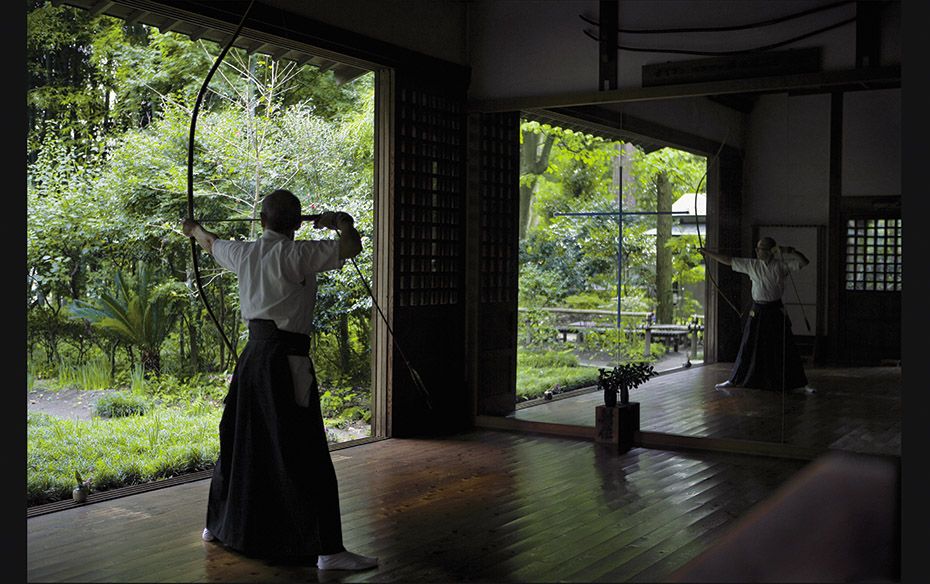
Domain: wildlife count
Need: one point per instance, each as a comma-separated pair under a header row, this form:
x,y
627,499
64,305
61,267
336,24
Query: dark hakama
x,y
768,357
273,493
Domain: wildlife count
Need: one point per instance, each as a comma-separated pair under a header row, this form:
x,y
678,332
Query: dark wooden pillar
x,y
725,177
429,258
608,17
494,187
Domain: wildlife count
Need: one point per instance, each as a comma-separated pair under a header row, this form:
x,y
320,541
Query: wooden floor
x,y
484,506
855,409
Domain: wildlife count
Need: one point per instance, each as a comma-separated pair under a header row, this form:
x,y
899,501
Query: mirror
x,y
777,146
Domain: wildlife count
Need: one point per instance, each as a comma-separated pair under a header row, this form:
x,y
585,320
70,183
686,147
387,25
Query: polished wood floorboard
x,y
854,409
483,506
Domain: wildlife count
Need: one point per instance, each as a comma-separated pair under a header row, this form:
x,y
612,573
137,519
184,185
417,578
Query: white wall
x,y
787,155
530,47
787,162
787,182
696,115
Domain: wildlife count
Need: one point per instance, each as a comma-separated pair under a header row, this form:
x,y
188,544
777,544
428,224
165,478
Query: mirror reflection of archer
x,y
768,357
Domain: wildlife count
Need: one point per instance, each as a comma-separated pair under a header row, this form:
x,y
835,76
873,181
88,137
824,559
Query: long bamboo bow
x,y
190,176
697,227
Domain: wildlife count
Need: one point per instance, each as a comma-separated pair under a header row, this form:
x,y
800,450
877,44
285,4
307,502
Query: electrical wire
x,y
739,52
760,24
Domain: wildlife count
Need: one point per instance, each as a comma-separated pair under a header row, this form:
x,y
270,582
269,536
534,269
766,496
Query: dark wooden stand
x,y
617,425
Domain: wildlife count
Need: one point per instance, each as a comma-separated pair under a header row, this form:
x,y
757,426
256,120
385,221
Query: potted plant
x,y
621,379
618,423
79,494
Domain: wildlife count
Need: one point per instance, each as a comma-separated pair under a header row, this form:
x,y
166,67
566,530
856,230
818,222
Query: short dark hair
x,y
281,211
766,243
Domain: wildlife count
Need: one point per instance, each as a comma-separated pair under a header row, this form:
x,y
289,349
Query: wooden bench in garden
x,y
575,321
676,335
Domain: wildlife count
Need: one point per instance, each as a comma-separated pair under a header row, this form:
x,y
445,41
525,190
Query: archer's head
x,y
281,212
765,248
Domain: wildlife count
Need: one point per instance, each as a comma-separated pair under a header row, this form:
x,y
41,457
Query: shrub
x,y
535,329
343,405
541,359
533,383
172,390
90,374
587,301
121,404
539,371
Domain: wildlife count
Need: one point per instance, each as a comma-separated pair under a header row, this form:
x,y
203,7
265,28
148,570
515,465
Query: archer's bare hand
x,y
334,220
326,220
189,226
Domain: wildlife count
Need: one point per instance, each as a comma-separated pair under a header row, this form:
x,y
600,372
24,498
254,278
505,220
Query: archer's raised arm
x,y
719,257
205,238
786,252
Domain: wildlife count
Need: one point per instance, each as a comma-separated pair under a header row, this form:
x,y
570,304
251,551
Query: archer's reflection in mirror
x,y
768,357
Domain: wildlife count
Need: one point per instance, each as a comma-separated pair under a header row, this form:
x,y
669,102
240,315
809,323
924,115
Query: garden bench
x,y
675,334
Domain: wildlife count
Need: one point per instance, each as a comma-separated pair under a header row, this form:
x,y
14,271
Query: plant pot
x,y
610,398
617,425
79,494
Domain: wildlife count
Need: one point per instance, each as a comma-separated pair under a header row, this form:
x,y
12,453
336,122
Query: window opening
x,y
874,255
275,117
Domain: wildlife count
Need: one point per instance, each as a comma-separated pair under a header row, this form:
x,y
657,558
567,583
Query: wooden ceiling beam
x,y
879,77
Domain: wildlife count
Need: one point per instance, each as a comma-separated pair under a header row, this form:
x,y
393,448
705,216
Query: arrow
x,y
237,219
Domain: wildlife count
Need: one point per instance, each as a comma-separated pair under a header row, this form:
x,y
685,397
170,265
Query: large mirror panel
x,y
775,164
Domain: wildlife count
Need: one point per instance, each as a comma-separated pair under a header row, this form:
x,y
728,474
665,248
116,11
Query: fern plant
x,y
134,312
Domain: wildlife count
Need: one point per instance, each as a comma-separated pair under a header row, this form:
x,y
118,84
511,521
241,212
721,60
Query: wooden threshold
x,y
548,428
664,441
655,440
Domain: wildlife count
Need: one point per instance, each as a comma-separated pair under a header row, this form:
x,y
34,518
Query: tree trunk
x,y
151,361
345,351
664,306
534,160
194,352
112,354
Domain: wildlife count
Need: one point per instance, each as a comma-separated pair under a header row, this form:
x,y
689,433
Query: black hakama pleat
x,y
768,357
274,492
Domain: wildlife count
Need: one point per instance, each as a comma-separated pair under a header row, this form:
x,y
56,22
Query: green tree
x,y
578,177
107,180
656,180
68,230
